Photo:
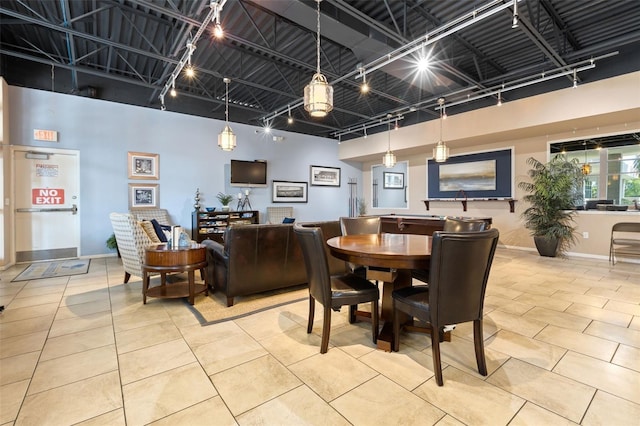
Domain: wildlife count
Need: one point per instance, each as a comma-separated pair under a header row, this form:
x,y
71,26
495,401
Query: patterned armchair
x,y
277,214
132,240
161,215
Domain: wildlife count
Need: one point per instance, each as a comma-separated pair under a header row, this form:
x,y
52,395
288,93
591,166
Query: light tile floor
x,y
562,345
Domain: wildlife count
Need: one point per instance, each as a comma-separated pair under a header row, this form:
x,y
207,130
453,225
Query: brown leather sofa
x,y
257,258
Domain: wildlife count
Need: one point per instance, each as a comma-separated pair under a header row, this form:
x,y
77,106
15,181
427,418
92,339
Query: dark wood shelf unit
x,y
212,225
511,201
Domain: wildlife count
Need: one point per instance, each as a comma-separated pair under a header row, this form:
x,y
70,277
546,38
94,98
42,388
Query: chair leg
x,y
435,351
374,320
479,346
312,311
326,329
126,277
396,327
352,313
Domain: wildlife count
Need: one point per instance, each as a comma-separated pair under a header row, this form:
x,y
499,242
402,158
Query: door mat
x,y
213,309
57,268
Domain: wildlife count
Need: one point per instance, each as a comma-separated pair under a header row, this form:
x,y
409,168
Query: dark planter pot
x,y
546,246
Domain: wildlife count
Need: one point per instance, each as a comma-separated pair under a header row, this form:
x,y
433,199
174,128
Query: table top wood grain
x,y
400,251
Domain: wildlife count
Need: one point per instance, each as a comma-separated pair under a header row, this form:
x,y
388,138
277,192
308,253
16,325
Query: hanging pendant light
x,y
586,167
441,151
389,158
226,138
318,94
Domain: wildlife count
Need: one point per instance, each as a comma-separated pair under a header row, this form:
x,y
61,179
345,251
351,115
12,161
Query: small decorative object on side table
x,y
196,204
162,259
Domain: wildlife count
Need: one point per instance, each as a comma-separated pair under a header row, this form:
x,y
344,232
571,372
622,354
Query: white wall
x,y
188,155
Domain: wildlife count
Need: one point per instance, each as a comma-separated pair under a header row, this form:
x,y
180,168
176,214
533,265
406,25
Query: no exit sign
x,y
45,135
40,196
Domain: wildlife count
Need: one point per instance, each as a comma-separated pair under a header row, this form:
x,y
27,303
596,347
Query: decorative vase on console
x,y
196,204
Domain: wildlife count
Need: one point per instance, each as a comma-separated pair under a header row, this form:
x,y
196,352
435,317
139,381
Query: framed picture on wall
x,y
289,192
325,176
486,174
393,180
143,195
143,165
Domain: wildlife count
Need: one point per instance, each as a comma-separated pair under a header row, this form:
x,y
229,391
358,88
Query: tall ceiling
x,y
127,51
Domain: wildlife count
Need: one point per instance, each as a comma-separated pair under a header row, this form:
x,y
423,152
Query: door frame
x,y
12,207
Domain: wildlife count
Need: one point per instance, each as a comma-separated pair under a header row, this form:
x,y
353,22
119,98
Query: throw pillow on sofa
x,y
288,220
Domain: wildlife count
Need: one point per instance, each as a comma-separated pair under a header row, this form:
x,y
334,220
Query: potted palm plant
x,y
224,199
553,193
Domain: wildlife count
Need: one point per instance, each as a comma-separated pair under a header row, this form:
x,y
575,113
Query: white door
x,y
47,200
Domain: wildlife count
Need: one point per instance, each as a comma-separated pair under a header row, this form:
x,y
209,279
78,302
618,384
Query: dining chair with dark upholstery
x,y
458,274
358,226
452,224
332,292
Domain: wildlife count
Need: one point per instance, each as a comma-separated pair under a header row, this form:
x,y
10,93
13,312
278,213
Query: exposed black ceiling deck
x,y
124,50
612,141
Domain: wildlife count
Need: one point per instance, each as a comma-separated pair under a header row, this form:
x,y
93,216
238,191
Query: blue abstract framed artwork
x,y
481,175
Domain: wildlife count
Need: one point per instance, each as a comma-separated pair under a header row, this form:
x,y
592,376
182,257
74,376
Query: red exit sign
x,y
45,135
47,196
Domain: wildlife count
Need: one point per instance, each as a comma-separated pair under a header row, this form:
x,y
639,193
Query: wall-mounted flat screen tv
x,y
248,173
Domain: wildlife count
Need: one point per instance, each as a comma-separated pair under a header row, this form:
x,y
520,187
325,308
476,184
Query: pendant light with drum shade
x,y
318,94
441,151
389,158
586,167
226,139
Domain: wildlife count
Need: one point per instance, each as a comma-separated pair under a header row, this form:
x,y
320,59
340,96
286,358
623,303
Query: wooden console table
x,y
162,259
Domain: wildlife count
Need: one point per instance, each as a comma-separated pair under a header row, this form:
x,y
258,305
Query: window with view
x,y
611,166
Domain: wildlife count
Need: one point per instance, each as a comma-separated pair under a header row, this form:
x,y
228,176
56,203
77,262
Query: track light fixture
x,y
515,22
575,78
216,7
289,118
189,71
169,87
226,138
364,87
441,150
318,94
499,99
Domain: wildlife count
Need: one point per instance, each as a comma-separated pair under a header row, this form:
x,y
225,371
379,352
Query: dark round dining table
x,y
389,258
